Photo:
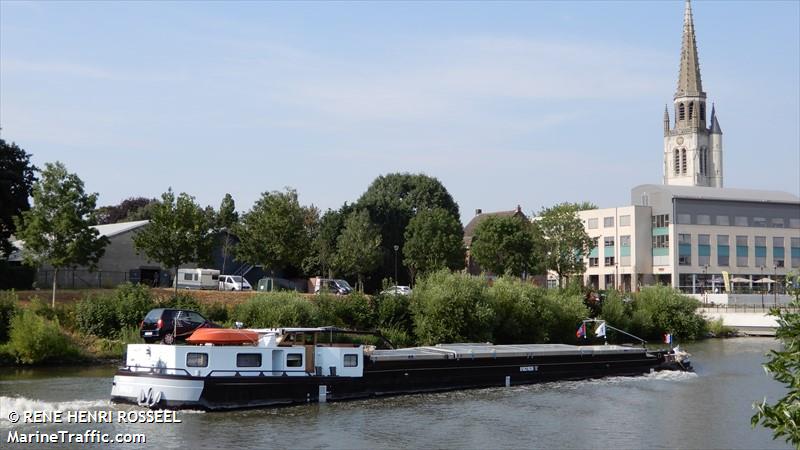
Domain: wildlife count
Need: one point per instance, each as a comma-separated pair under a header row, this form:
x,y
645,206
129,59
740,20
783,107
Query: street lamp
x,y
762,288
775,284
705,281
396,282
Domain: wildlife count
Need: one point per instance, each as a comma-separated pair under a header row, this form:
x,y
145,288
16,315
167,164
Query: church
x,y
690,232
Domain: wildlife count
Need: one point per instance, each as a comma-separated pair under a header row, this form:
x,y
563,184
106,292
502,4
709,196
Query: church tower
x,y
692,145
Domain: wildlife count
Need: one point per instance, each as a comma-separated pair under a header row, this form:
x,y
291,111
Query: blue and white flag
x,y
668,338
601,330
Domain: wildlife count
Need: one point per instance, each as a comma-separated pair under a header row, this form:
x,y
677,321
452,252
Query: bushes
x,y
8,307
276,309
519,309
450,307
104,316
35,339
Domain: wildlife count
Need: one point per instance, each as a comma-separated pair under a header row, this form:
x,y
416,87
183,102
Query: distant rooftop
x,y
710,193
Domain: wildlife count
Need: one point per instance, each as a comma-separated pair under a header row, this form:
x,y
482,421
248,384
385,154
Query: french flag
x,y
581,333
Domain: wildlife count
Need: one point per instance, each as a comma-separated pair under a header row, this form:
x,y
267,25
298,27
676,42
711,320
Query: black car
x,y
167,325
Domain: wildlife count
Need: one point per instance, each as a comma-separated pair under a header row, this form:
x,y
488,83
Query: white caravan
x,y
197,279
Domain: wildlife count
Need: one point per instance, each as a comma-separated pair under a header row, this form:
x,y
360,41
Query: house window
x,y
248,360
594,262
661,221
609,261
703,219
723,220
661,241
625,241
761,251
592,224
703,249
197,360
759,222
684,249
778,252
740,221
608,222
795,249
777,222
608,241
741,251
723,250
794,223
685,219
351,360
294,360
625,221
187,277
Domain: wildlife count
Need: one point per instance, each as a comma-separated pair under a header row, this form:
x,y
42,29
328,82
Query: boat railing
x,y
158,370
260,373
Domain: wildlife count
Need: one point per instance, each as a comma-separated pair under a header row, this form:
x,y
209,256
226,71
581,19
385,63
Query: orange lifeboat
x,y
223,336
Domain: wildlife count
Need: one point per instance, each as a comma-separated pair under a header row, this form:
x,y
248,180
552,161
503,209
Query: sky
x,y
506,103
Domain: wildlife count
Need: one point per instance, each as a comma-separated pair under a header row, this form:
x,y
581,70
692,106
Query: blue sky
x,y
528,103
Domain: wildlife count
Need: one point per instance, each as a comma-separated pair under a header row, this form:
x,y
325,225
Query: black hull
x,y
390,378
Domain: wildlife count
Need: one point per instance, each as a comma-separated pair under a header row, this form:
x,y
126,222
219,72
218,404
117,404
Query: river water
x,y
708,409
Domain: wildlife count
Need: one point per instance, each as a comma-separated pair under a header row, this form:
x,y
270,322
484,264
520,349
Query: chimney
x,y
519,208
478,211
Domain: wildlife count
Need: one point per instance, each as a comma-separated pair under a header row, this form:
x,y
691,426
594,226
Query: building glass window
x,y
351,360
740,221
794,223
661,241
608,241
609,261
608,222
625,241
294,360
759,222
778,252
741,251
661,221
723,250
723,220
703,219
684,249
795,251
625,221
777,222
592,224
196,359
685,219
594,262
248,360
761,251
703,249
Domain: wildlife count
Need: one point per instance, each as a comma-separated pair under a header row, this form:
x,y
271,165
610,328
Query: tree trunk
x,y
224,253
55,277
360,283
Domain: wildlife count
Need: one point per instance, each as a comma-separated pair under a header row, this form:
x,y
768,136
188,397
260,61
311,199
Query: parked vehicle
x,y
326,285
269,284
397,290
197,279
168,325
234,283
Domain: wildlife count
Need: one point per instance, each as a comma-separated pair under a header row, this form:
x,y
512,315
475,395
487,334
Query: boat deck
x,y
460,351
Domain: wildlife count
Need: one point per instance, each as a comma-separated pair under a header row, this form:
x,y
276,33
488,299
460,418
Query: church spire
x,y
689,83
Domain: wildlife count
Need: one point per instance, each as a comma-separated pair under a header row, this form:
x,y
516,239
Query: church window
x,y
691,111
681,112
677,164
683,161
702,161
703,112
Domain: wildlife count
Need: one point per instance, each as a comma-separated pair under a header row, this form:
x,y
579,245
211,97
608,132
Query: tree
x,y
180,231
358,247
273,233
783,417
17,176
226,219
57,230
505,245
393,199
133,208
564,239
434,240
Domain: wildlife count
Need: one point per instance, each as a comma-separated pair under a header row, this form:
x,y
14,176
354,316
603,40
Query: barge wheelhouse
x,y
300,365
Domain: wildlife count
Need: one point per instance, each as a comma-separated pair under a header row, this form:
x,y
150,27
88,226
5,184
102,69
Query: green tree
x,y
505,245
17,176
57,230
226,219
392,200
324,242
564,239
783,416
133,208
273,233
180,231
434,241
358,247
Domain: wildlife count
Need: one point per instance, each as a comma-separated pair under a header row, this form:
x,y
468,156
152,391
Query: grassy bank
x,y
444,307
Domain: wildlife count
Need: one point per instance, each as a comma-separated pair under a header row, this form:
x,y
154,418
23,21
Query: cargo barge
x,y
270,367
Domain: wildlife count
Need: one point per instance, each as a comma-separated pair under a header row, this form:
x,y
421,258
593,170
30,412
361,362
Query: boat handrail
x,y
158,370
237,373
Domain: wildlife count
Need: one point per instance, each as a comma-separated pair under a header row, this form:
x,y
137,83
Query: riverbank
x,y
444,308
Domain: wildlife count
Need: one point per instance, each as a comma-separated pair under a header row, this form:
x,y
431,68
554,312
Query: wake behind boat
x,y
302,365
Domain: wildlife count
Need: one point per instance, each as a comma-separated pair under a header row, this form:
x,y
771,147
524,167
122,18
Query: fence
x,y
82,279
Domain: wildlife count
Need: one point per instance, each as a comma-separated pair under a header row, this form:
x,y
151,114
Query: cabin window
x,y
187,277
351,360
294,360
197,360
248,360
